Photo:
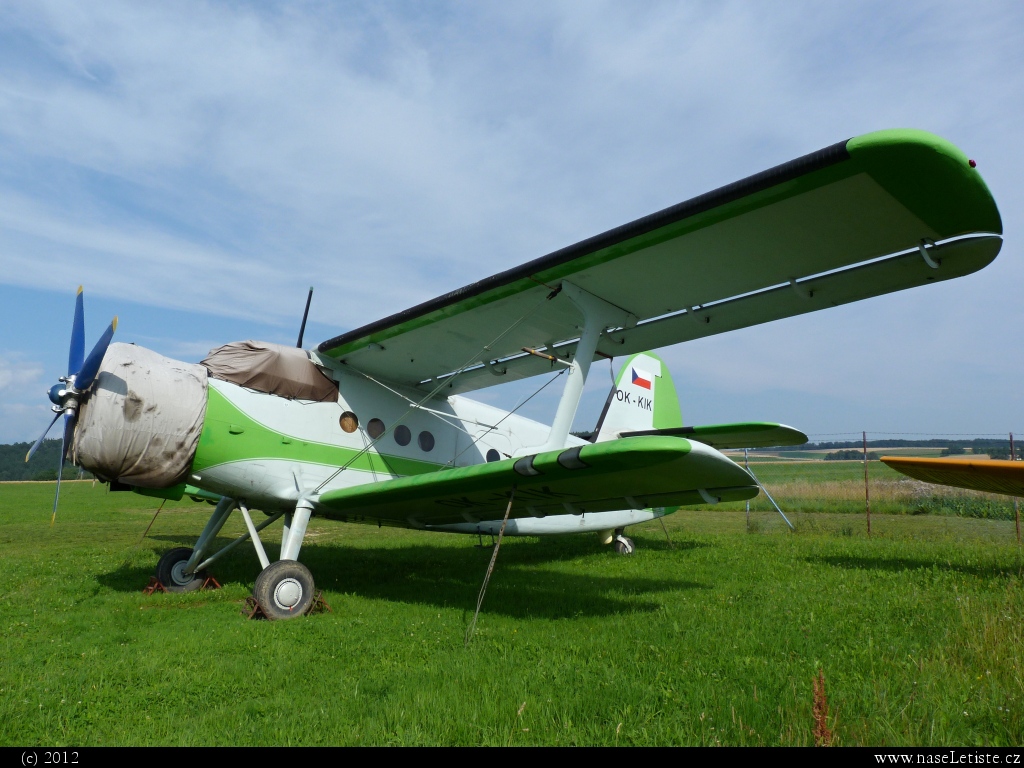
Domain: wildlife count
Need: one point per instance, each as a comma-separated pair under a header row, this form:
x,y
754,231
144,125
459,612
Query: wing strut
x,y
598,315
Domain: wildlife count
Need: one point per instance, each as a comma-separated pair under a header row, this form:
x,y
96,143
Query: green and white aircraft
x,y
373,427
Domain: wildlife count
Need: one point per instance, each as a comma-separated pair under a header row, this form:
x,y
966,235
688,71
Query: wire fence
x,y
840,474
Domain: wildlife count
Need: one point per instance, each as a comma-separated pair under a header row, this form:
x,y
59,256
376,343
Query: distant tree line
x,y
850,454
43,465
996,449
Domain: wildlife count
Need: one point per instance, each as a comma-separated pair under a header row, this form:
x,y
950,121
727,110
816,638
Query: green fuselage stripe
x,y
230,435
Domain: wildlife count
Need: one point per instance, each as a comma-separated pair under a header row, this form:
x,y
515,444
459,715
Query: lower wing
x,y
637,472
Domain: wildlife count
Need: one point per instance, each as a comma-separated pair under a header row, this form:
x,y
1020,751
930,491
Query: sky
x,y
198,166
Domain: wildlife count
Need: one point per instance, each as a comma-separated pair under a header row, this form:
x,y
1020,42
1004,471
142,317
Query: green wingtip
x,y
953,201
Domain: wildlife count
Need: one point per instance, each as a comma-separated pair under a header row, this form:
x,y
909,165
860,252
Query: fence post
x,y
867,497
1016,503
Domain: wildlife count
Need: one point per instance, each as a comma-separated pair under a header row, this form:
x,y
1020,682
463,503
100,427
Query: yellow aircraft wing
x,y
854,220
994,476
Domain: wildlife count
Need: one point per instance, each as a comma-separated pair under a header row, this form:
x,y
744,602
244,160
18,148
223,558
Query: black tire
x,y
624,545
168,571
284,590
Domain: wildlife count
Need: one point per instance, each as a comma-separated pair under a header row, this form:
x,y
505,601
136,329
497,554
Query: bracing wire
x,y
491,429
440,385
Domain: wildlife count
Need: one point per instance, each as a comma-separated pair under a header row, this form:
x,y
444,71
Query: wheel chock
x,y
155,586
319,605
252,609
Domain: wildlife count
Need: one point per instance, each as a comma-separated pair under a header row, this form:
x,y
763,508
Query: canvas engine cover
x,y
141,422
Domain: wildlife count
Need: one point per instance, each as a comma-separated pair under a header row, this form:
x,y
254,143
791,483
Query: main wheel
x,y
284,589
170,571
624,545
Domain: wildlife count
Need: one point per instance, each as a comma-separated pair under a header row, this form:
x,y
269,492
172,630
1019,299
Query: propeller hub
x,y
64,396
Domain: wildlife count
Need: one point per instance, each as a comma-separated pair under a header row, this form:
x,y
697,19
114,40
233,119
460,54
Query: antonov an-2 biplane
x,y
373,426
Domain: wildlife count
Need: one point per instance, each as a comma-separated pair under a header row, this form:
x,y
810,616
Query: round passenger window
x,y
402,434
493,455
426,441
349,421
375,428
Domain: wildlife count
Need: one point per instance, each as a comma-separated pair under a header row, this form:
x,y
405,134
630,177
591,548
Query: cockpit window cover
x,y
271,368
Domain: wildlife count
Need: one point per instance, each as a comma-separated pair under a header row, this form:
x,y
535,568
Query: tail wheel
x,y
284,589
170,571
624,545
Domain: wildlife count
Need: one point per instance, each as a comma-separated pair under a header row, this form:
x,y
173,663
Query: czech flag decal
x,y
641,379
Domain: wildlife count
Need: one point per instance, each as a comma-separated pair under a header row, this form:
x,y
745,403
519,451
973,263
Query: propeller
x,y
67,394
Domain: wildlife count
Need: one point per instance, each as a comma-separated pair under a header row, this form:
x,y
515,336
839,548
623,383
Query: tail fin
x,y
643,397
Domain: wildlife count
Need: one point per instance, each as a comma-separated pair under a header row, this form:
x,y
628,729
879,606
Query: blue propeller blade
x,y
69,428
91,365
42,437
69,431
76,354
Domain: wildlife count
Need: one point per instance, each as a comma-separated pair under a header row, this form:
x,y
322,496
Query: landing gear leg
x,y
220,516
623,544
177,569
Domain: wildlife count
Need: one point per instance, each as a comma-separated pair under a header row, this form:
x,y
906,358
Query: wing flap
x,y
990,475
641,472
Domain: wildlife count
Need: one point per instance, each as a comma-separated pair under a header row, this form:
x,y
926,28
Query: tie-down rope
x,y
490,568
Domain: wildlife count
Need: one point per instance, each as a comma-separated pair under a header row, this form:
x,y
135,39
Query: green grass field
x,y
838,487
715,640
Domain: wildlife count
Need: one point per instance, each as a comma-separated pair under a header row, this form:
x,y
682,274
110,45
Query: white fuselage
x,y
269,451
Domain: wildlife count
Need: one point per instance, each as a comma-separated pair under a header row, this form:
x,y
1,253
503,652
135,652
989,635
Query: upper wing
x,y
753,435
994,476
832,227
637,472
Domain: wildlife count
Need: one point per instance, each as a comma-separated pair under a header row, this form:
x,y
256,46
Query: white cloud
x,y
18,376
23,404
214,158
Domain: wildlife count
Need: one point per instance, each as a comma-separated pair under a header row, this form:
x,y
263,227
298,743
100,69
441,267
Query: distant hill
x,y
42,467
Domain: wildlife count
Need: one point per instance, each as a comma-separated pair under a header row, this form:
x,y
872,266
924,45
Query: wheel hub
x,y
288,593
178,574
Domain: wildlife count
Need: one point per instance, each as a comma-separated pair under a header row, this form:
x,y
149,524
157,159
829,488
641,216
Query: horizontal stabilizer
x,y
752,435
993,476
638,473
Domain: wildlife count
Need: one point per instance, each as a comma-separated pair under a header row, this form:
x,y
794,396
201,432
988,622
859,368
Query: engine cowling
x,y
141,420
